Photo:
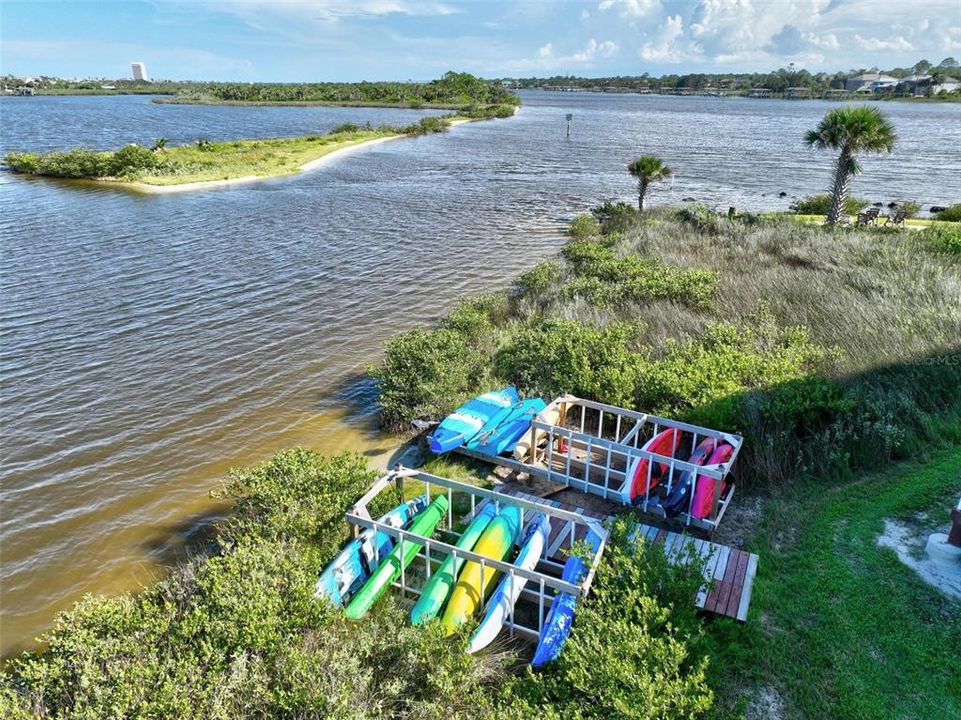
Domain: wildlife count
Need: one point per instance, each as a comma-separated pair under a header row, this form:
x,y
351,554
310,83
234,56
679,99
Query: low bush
x,y
821,204
557,356
129,162
605,280
616,216
943,238
699,217
584,226
427,126
347,127
540,279
77,163
952,213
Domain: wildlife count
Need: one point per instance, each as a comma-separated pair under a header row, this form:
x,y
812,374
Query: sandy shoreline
x,y
306,167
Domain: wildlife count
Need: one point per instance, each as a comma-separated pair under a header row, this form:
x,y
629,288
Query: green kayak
x,y
435,592
394,562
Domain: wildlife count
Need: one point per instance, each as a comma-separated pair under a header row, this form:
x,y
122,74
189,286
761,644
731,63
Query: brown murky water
x,y
148,344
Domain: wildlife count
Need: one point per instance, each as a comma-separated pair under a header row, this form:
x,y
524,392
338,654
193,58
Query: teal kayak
x,y
394,563
347,572
435,592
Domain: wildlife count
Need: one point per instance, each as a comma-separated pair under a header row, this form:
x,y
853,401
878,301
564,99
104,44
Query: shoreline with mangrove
x,y
205,165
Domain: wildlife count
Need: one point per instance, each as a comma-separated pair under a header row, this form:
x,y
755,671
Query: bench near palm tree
x,y
647,169
852,130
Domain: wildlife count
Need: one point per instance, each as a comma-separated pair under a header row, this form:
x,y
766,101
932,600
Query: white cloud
x,y
594,48
546,59
630,8
664,48
898,43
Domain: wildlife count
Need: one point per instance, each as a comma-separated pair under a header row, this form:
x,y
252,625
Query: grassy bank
x,y
832,351
842,629
206,161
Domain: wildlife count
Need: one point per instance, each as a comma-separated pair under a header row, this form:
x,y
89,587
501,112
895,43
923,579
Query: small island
x,y
204,164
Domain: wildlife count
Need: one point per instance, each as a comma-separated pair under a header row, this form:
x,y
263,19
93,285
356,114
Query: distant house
x,y
946,86
870,83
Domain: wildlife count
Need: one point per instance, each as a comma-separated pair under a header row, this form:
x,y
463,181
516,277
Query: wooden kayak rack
x,y
593,446
543,582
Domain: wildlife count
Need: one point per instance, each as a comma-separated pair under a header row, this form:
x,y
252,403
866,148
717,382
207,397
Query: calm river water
x,y
149,343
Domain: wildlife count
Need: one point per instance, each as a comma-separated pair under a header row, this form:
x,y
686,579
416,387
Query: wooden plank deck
x,y
728,572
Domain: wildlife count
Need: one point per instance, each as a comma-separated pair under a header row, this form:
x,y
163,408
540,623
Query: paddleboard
x,y
504,437
482,413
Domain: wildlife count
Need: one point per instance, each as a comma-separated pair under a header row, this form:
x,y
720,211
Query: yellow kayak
x,y
496,542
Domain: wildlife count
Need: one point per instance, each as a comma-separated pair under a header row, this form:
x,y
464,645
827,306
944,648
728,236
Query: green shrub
x,y
943,238
820,204
635,650
952,213
540,279
426,373
298,494
608,281
725,361
584,226
699,217
132,160
557,356
347,127
77,163
23,162
427,126
616,216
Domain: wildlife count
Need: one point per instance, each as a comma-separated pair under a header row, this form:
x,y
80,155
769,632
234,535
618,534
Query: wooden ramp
x,y
728,572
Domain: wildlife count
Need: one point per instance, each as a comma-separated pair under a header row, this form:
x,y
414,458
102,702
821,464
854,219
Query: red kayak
x,y
664,443
704,494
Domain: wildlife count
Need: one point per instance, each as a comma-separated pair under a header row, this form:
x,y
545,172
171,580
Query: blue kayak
x,y
502,438
558,624
347,572
479,415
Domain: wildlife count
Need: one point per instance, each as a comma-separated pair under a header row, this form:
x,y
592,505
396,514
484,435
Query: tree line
x,y
777,80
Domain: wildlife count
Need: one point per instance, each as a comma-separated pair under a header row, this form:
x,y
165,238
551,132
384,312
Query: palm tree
x,y
647,169
852,130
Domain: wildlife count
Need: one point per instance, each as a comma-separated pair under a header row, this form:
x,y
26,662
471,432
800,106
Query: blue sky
x,y
298,40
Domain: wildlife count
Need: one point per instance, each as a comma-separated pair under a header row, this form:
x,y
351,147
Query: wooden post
x,y
570,117
954,536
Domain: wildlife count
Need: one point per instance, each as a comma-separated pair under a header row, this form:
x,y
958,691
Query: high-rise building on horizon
x,y
139,71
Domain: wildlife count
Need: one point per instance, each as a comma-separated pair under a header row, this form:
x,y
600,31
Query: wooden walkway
x,y
728,572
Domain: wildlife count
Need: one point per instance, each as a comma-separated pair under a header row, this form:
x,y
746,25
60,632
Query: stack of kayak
x,y
649,479
491,424
458,588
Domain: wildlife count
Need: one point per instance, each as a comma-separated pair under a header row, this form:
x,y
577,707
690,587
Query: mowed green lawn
x,y
839,627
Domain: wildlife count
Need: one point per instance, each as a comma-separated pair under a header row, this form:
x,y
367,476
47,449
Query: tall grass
x,y
830,350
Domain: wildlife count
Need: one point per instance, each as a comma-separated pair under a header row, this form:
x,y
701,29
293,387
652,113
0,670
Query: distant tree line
x,y
454,89
778,81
